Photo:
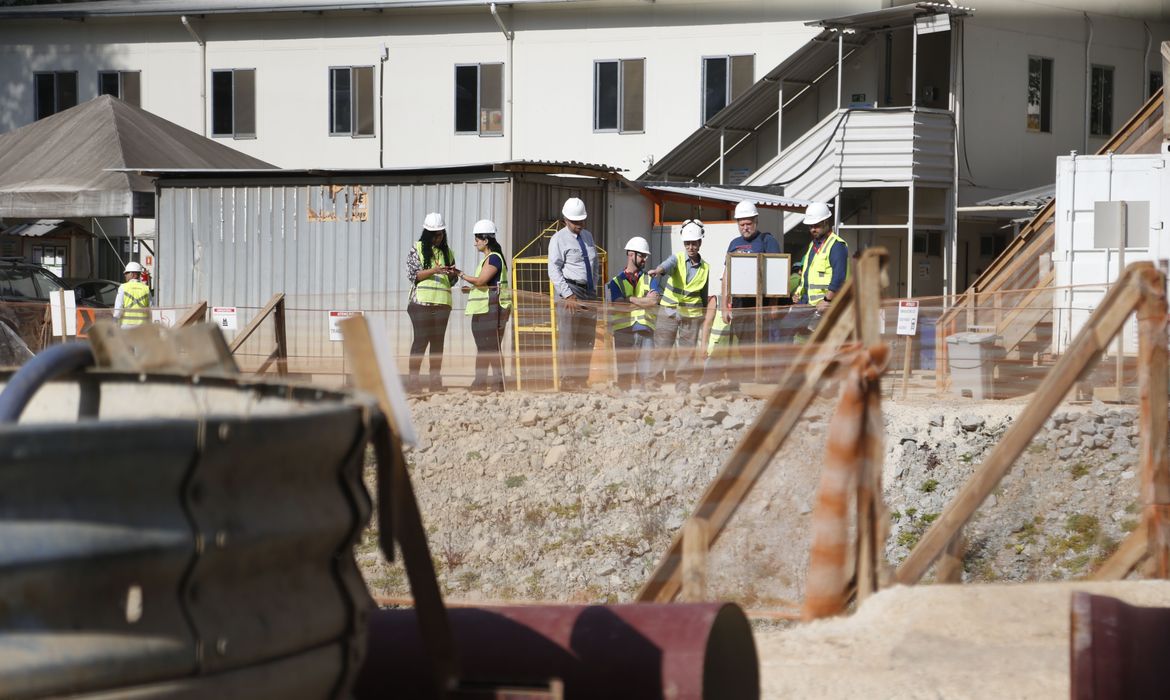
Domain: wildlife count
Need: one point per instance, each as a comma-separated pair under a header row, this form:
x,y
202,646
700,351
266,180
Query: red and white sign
x,y
335,318
225,317
907,317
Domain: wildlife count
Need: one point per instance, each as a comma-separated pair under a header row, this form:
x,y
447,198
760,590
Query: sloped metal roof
x,y
66,165
545,167
758,104
123,8
35,229
1032,199
730,195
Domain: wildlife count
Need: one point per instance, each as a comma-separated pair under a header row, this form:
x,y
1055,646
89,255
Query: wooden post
x,y
950,565
906,366
1128,555
694,560
759,310
1094,337
871,511
1152,378
281,339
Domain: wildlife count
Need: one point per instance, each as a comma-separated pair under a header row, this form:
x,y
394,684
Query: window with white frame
x,y
50,257
1101,101
54,92
479,99
1039,109
351,101
233,103
724,79
126,85
619,88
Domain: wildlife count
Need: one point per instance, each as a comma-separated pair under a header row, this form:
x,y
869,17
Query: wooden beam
x,y
1102,325
1128,555
195,313
1152,419
243,335
950,565
871,510
694,561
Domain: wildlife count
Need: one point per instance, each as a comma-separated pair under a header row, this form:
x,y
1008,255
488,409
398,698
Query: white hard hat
x,y
692,230
574,209
638,245
746,210
434,222
484,227
816,213
133,267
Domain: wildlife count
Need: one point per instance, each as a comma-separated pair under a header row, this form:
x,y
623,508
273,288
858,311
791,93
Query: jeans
x,y
633,350
686,332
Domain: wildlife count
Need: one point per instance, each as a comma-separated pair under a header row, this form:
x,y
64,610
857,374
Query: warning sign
x,y
907,317
335,318
85,319
224,317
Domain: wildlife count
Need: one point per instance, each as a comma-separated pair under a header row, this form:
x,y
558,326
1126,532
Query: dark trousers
x,y
430,329
576,333
633,350
488,331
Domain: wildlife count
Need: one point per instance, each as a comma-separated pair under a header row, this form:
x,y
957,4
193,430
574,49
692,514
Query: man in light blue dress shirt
x,y
572,267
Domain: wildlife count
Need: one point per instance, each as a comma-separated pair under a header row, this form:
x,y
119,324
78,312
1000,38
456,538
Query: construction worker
x,y
430,267
681,280
633,317
750,240
132,303
572,267
488,304
825,267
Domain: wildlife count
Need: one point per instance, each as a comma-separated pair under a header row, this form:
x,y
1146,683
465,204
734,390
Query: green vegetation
x,y
648,419
514,481
928,486
473,456
1078,470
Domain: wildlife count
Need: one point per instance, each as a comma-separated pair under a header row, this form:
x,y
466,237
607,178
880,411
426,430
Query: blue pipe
x,y
45,366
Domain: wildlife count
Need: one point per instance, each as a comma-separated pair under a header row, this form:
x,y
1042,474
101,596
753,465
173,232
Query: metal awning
x,y
34,229
759,103
1026,199
726,195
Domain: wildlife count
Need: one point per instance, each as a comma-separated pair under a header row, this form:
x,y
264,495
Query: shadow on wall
x,y
17,86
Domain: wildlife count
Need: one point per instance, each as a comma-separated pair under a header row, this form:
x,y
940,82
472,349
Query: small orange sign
x,y
85,320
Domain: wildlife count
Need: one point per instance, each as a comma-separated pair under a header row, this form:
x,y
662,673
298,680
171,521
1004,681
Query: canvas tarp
x,y
66,165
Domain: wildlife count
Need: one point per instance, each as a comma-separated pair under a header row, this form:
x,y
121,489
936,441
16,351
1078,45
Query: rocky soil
x,y
574,497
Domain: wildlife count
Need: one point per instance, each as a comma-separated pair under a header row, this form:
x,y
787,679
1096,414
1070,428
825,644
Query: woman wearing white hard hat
x,y
488,304
633,304
682,281
572,267
132,303
430,267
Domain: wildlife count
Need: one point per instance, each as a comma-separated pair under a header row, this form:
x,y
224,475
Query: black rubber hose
x,y
46,365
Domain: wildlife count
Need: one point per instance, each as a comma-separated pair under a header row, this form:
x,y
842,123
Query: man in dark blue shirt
x,y
750,240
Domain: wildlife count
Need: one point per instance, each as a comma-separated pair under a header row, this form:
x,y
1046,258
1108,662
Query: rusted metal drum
x,y
682,651
178,537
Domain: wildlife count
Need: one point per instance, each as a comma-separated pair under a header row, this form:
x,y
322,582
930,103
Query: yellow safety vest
x,y
818,272
135,303
640,315
686,296
720,332
435,289
479,300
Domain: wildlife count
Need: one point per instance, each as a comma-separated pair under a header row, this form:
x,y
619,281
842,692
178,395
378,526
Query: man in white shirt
x,y
572,267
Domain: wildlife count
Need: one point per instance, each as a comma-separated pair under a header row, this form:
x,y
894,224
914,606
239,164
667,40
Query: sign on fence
x,y
63,305
907,317
335,318
225,317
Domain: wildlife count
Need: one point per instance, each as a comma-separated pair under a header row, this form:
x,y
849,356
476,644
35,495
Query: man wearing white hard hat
x,y
750,240
573,269
682,281
824,267
132,303
633,303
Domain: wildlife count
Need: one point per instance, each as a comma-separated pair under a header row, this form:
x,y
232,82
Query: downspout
x,y
382,106
1146,64
1088,80
510,36
202,67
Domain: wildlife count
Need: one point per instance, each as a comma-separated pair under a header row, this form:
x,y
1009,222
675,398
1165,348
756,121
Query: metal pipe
x,y
1088,79
914,70
202,67
679,651
840,61
1146,64
509,35
910,244
722,151
44,366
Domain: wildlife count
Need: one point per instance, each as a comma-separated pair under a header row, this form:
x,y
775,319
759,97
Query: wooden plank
x,y
243,335
1152,419
196,313
694,560
950,564
1102,325
1128,555
871,511
796,390
1020,321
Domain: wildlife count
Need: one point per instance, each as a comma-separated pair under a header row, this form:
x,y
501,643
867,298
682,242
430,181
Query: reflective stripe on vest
x,y
479,299
435,289
818,272
687,297
640,315
720,332
135,303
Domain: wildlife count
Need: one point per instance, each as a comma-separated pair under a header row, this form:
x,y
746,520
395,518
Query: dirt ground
x,y
998,641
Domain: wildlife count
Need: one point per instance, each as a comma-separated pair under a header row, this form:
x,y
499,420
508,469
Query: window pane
x,y
491,98
132,88
1101,101
46,94
339,101
605,85
714,86
1046,95
221,103
633,89
1155,82
466,97
742,75
245,99
363,84
108,84
66,91
1039,105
